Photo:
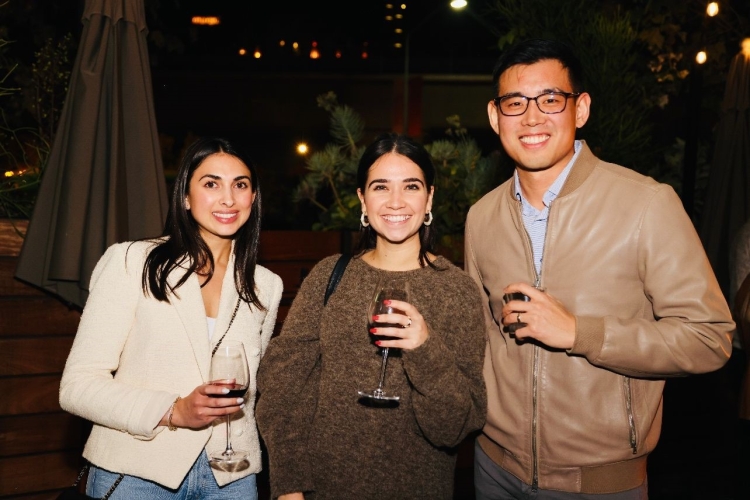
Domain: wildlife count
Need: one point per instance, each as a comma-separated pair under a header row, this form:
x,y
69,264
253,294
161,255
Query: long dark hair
x,y
404,146
184,245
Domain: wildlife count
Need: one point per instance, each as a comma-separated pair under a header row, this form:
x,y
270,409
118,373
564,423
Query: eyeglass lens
x,y
550,103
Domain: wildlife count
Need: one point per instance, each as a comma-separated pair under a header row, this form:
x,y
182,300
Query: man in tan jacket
x,y
620,296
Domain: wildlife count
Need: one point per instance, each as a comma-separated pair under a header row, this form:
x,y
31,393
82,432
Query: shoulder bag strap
x,y
336,274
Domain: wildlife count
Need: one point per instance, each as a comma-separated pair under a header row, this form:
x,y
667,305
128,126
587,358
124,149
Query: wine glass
x,y
387,288
229,364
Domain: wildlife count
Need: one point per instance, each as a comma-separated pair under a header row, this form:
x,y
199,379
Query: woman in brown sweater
x,y
323,442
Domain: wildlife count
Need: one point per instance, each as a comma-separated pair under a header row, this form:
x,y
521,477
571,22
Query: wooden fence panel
x,y
45,432
39,472
22,316
34,356
29,394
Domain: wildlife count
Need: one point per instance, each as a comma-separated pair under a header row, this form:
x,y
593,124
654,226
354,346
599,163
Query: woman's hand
x,y
412,331
203,406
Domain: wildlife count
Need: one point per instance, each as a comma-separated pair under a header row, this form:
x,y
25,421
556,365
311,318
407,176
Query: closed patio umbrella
x,y
104,181
728,198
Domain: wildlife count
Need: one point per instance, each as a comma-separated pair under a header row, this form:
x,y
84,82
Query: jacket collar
x,y
581,170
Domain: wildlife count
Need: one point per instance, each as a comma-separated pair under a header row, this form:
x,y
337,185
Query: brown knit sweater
x,y
321,440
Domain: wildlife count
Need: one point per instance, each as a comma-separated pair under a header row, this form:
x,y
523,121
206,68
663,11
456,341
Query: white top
x,y
211,322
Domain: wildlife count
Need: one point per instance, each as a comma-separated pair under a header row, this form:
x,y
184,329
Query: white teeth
x,y
534,139
396,218
224,216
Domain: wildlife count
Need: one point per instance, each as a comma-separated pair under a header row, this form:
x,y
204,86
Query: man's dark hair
x,y
532,51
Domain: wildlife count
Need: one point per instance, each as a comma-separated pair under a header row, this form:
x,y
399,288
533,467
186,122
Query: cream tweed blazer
x,y
133,355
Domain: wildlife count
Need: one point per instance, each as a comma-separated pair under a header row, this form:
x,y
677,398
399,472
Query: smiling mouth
x,y
397,218
534,139
223,216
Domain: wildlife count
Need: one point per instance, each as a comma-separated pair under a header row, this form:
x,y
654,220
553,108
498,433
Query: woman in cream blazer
x,y
139,365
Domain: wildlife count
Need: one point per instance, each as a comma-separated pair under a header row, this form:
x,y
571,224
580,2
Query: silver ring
x,y
518,317
409,323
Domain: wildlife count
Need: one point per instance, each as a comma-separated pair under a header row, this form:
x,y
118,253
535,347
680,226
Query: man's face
x,y
538,141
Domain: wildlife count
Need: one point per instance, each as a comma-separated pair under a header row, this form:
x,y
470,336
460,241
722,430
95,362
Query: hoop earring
x,y
428,218
364,220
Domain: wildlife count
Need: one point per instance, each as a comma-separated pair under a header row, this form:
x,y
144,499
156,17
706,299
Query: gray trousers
x,y
492,482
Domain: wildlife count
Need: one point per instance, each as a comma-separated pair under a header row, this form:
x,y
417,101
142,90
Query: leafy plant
x,y
331,183
26,138
463,174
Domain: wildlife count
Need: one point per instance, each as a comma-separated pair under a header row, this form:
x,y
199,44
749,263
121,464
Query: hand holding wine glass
x,y
229,369
386,291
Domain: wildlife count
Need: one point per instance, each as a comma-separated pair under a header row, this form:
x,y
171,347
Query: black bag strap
x,y
336,274
111,489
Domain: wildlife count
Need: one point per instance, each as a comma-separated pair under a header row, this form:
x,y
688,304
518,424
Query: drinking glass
x,y
522,297
387,289
228,365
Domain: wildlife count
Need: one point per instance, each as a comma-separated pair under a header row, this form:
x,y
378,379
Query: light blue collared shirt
x,y
535,220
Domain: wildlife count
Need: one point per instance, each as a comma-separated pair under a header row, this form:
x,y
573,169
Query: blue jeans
x,y
198,484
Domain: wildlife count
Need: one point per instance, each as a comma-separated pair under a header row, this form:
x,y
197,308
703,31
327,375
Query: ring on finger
x,y
409,323
518,317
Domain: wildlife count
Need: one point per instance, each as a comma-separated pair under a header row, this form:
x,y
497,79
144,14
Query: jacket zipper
x,y
535,384
535,478
535,381
631,417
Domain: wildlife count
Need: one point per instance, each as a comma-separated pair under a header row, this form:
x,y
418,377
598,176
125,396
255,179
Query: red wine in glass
x,y
229,363
235,390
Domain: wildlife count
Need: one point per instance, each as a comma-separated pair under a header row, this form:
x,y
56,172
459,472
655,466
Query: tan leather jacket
x,y
624,258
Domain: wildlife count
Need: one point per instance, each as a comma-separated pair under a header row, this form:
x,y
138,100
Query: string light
x,y
282,43
257,53
302,148
242,52
701,57
314,54
712,9
206,20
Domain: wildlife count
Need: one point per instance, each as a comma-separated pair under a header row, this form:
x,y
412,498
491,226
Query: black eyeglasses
x,y
549,103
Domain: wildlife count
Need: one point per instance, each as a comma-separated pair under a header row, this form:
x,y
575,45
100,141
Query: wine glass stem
x,y
383,364
229,450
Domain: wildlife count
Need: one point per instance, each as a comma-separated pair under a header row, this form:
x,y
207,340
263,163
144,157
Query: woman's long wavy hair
x,y
184,247
404,146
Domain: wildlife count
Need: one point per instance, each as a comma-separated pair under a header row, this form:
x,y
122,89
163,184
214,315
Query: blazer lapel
x,y
192,313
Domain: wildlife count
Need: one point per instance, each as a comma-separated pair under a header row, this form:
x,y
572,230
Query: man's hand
x,y
546,318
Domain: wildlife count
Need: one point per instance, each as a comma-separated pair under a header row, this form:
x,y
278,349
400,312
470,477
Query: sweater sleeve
x,y
692,326
449,398
288,380
88,388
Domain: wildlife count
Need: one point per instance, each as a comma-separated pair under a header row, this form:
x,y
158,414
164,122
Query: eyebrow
x,y
405,181
519,94
218,177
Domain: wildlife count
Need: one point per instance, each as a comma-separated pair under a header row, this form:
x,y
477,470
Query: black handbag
x,y
72,492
